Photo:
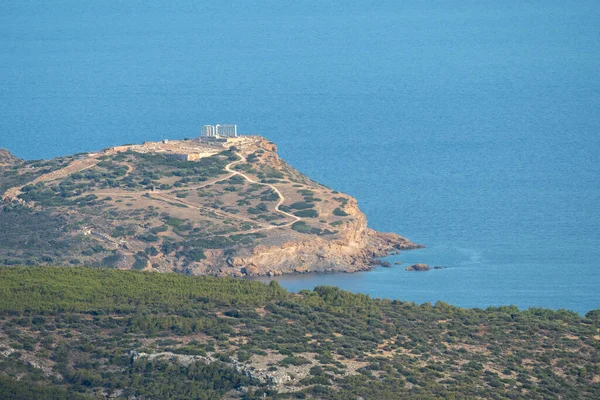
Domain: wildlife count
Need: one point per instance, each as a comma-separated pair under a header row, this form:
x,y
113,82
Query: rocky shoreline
x,y
358,249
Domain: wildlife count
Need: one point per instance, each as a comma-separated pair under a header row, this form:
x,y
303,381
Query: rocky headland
x,y
226,209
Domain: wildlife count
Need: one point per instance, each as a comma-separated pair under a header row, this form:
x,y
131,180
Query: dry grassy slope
x,y
7,158
236,212
352,249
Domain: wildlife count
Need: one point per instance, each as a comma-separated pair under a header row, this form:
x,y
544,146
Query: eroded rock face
x,y
418,267
355,250
269,377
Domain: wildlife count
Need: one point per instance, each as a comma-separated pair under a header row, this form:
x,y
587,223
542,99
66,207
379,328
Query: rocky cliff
x,y
354,250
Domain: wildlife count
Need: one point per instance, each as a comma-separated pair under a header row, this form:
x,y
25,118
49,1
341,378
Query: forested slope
x,y
84,333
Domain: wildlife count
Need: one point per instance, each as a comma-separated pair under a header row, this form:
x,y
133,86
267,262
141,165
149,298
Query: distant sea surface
x,y
470,127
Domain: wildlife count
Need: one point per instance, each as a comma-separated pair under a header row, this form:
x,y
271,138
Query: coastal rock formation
x,y
418,267
355,249
382,263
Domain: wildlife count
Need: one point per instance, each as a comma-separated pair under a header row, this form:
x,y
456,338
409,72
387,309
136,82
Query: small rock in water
x,y
418,267
382,263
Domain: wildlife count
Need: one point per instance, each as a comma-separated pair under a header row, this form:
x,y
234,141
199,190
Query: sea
x,y
472,127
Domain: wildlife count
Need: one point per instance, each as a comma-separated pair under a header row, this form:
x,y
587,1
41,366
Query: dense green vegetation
x,y
75,332
43,290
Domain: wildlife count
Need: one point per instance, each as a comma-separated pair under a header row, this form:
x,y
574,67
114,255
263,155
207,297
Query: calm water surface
x,y
471,128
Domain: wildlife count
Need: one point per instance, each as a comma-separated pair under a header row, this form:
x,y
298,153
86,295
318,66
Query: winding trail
x,y
279,203
71,168
165,196
91,161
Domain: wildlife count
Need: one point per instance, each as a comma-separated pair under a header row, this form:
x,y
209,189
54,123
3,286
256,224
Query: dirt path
x,y
164,196
279,203
205,184
73,167
83,164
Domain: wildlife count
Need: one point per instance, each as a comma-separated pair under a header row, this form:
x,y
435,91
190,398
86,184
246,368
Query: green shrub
x,y
307,213
301,205
294,360
140,263
301,227
111,261
340,213
158,229
148,237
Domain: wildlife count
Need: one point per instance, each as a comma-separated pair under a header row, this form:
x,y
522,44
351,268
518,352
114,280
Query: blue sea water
x,y
471,127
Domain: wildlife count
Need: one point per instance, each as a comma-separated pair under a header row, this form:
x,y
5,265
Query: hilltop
x,y
229,209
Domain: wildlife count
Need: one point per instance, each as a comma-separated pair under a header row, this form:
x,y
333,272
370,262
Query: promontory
x,y
230,208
